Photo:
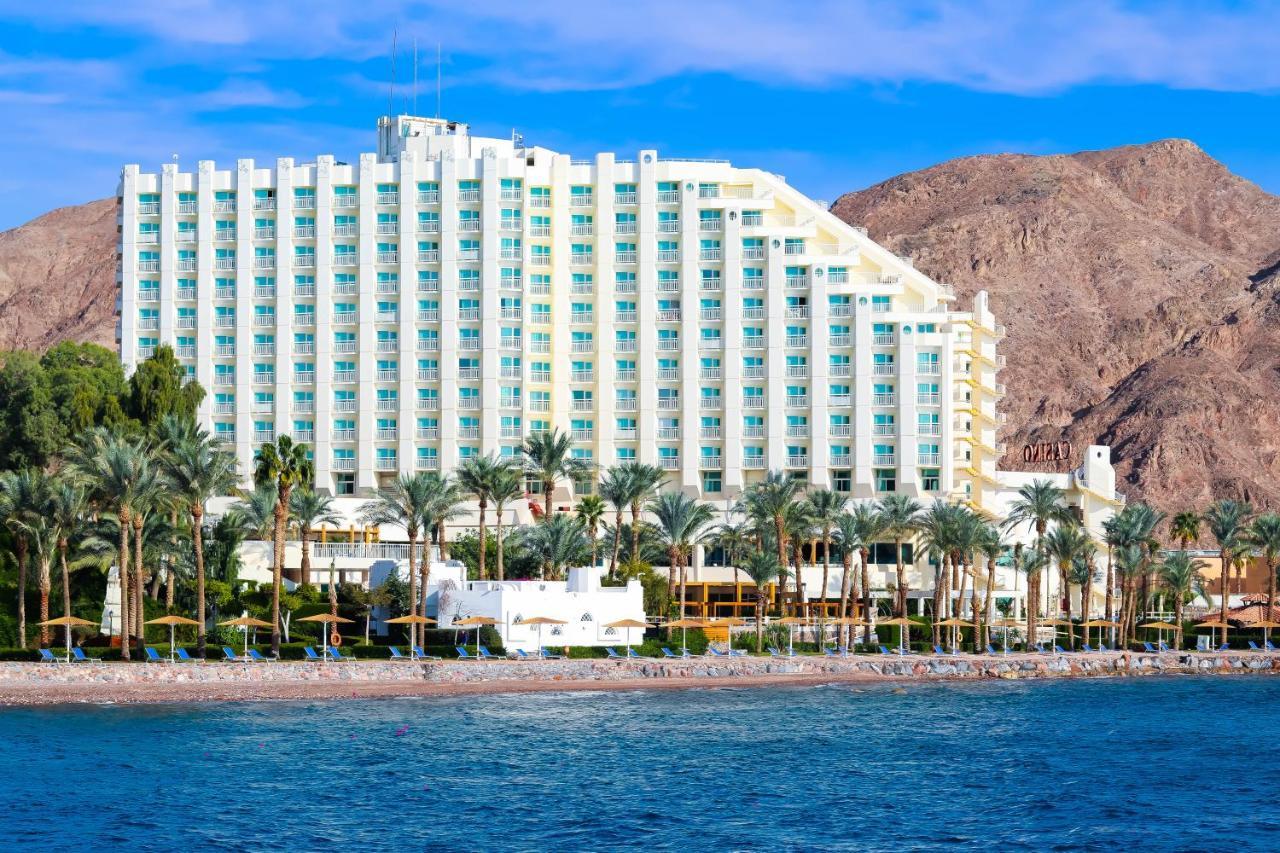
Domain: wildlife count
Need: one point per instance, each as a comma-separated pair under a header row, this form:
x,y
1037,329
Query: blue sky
x,y
834,95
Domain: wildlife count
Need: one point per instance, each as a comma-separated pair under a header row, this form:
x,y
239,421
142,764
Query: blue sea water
x,y
1160,764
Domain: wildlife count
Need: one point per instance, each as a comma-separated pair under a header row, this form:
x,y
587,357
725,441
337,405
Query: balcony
x,y
882,340
669,463
798,461
710,225
224,350
710,314
884,369
304,407
753,283
711,463
798,312
793,248
540,347
753,431
224,205
798,400
224,320
224,379
188,207
668,343
841,460
668,226
264,349
264,377
264,204
837,277
668,403
343,318
840,430
582,405
709,283
427,433
388,316
344,346
469,403
929,459
711,344
582,434
797,340
753,313
345,463
428,226
710,254
582,376
753,462
669,374
840,309
840,400
755,372
345,200
430,256
840,341
798,371
625,345
427,404
797,431
710,403
582,288
668,197
388,198
388,257
511,193
755,401
428,463
585,346
754,342
304,347
304,202
625,376
933,369
346,259
883,399
582,229
387,404
669,315
306,261
797,282
928,399
304,377
842,370
582,317
624,227
186,293
429,197
884,459
468,196
149,237
626,257
713,373
752,253
668,285
264,436
186,352
539,405
929,429
581,200
388,375
264,262
148,323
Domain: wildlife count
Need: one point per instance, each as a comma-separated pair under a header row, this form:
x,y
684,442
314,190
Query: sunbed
x,y
419,654
775,652
395,654
463,654
231,656
1150,648
1059,649
46,656
667,653
631,655
991,650
311,654
613,655
486,654
183,656
257,657
339,656
550,655
79,656
153,656
1088,648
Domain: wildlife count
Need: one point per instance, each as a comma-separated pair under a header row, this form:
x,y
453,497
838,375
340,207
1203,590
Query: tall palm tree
x,y
682,524
1131,562
768,501
117,471
1264,535
1032,563
67,506
309,509
936,528
898,514
825,507
847,537
615,487
1038,504
869,525
1064,544
507,486
1113,536
1180,576
256,512
1185,527
763,569
445,504
561,541
991,544
476,476
591,509
642,480
200,470
549,457
286,464
734,540
404,502
23,494
1227,521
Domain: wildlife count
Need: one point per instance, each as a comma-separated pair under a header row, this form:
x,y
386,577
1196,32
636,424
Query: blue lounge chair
x,y
714,653
153,656
1087,647
775,652
257,657
1149,647
667,653
1164,648
419,654
46,656
550,655
1270,647
231,656
1254,647
613,655
631,655
311,654
1059,649
183,656
521,654
485,654
991,650
1104,647
885,651
395,654
939,650
339,656
1225,647
463,654
78,656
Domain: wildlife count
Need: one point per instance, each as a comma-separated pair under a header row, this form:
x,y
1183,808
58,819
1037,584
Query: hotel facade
x,y
450,294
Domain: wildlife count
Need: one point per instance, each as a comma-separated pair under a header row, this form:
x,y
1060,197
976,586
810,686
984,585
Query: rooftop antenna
x,y
438,75
391,97
415,75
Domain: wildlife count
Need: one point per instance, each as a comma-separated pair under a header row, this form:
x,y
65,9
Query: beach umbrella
x,y
1097,623
1161,627
544,620
476,622
245,622
67,622
1055,624
728,623
1004,625
627,625
414,619
173,622
325,619
847,622
954,622
905,624
791,622
1266,626
1213,626
684,624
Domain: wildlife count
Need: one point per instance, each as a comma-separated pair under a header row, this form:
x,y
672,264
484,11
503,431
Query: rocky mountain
x,y
57,278
1140,289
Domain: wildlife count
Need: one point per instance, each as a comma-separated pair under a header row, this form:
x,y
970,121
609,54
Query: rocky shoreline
x,y
116,683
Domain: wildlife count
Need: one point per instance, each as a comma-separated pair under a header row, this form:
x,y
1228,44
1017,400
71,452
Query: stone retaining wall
x,y
462,672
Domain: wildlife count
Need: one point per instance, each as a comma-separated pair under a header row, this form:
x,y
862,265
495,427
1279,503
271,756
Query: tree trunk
x,y
425,568
865,557
779,530
412,531
635,531
1271,590
1226,581
277,576
1110,593
986,601
123,577
826,577
139,611
901,609
548,486
66,576
22,591
762,598
1177,617
617,542
304,541
45,583
939,589
483,544
499,573
197,534
1066,598
845,631
677,560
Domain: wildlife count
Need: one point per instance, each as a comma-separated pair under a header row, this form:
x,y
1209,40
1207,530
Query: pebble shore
x,y
43,684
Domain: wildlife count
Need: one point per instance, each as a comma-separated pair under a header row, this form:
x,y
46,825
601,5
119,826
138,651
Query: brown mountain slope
x,y
57,278
1134,284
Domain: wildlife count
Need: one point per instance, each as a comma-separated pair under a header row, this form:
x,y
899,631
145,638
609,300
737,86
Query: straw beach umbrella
x,y
904,635
245,622
325,619
1161,627
954,622
1213,626
67,622
791,622
847,622
476,622
1097,623
413,619
627,625
1004,625
684,625
173,622
1267,626
540,621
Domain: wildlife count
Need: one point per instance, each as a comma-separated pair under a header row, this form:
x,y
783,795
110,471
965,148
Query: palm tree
x,y
66,509
117,472
199,470
768,501
1185,527
22,495
1180,576
682,523
256,511
1032,563
799,526
591,509
507,486
898,514
286,464
991,544
309,510
825,507
476,476
1113,536
763,569
733,540
1038,504
869,526
560,539
1227,521
641,481
847,536
615,487
1131,562
1264,534
936,528
549,457
404,502
1065,543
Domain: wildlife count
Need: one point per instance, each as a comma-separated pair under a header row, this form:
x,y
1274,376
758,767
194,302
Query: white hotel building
x,y
450,294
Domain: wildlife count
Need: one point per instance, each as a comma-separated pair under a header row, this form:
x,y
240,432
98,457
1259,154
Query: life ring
x,y
335,639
